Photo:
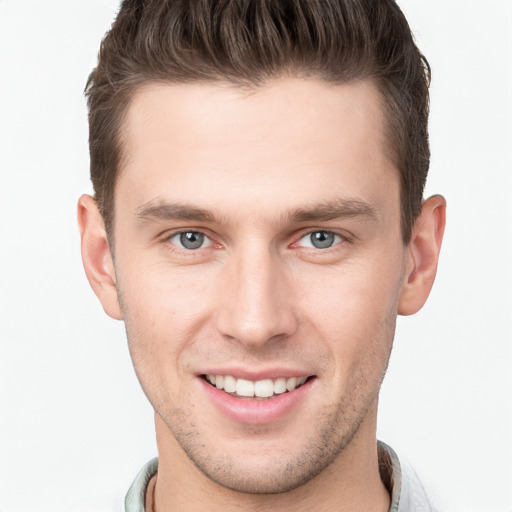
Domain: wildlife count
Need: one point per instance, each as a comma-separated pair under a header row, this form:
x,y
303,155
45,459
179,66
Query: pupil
x,y
322,239
191,240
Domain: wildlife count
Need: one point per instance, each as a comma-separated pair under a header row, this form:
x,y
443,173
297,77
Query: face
x,y
259,265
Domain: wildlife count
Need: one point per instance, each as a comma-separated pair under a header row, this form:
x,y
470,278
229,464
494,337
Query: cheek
x,y
354,306
161,297
163,312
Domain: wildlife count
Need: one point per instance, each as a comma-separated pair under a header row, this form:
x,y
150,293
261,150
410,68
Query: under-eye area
x,y
259,390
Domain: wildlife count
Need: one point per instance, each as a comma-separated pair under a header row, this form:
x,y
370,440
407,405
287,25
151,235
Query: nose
x,y
257,299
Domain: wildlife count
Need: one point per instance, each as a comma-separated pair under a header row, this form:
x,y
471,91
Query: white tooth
x,y
219,382
211,379
264,388
229,384
244,387
291,383
301,381
280,385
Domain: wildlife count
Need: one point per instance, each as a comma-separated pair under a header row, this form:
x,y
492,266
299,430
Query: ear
x,y
96,256
422,255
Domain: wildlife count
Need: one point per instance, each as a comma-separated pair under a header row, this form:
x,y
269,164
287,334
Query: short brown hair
x,y
248,42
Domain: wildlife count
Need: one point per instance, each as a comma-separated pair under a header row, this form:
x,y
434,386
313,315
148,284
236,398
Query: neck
x,y
351,483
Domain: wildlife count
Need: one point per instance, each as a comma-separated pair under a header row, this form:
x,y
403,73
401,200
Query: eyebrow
x,y
330,210
173,211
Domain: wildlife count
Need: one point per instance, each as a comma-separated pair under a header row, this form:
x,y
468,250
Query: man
x,y
258,224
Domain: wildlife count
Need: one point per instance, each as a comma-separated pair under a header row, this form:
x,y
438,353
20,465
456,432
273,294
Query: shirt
x,y
406,491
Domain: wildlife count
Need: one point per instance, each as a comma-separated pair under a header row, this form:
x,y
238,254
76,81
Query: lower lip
x,y
256,412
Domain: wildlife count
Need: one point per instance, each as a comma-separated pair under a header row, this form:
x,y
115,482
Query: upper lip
x,y
256,375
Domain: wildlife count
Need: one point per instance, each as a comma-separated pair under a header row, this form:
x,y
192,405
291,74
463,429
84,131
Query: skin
x,y
266,169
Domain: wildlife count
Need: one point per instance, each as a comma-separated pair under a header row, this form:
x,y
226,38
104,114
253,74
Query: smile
x,y
257,401
262,389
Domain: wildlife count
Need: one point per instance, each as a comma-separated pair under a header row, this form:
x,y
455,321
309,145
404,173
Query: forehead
x,y
290,141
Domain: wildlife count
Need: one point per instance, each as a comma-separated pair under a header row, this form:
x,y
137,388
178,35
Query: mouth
x,y
264,399
264,389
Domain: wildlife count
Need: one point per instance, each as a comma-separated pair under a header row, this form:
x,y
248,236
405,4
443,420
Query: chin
x,y
264,466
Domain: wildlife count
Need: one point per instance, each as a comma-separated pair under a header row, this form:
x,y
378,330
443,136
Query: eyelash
x,y
172,236
338,239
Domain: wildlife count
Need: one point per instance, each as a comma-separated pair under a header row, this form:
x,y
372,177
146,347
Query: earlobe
x,y
422,255
96,256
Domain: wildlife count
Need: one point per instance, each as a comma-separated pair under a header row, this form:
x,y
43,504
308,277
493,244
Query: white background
x,y
73,421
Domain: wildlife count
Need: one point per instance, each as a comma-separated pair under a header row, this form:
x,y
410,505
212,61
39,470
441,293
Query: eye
x,y
190,240
320,240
